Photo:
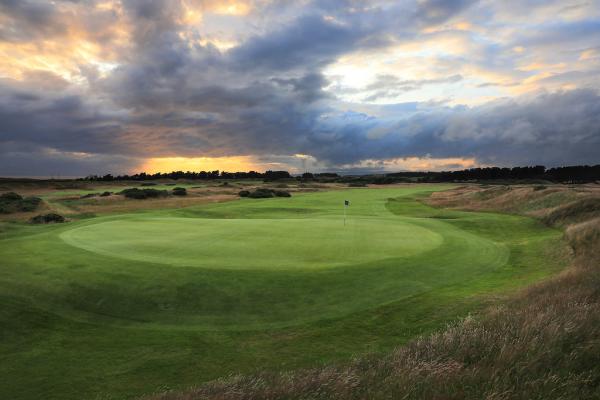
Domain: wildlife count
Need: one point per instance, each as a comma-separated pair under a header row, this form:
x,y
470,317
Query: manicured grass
x,y
119,306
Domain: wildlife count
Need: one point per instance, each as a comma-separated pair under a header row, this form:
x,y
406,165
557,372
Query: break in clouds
x,y
101,86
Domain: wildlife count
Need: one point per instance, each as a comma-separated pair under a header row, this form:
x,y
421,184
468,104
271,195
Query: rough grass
x,y
544,343
580,210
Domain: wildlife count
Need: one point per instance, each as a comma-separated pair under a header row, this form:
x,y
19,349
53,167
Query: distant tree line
x,y
569,174
202,175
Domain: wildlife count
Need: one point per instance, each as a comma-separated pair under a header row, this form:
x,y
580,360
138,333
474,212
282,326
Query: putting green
x,y
124,305
254,243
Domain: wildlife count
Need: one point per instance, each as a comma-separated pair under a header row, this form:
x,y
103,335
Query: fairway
x,y
121,305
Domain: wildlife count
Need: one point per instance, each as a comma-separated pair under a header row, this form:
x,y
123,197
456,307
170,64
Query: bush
x,y
47,219
179,191
148,184
357,184
10,196
30,203
141,194
87,196
539,187
12,202
282,193
261,194
105,194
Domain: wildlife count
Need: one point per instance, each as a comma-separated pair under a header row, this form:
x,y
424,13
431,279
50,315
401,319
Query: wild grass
x,y
543,343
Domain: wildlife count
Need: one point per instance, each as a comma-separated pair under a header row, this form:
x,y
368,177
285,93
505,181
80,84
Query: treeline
x,y
202,175
570,174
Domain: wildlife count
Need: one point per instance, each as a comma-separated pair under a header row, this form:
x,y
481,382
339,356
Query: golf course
x,y
122,305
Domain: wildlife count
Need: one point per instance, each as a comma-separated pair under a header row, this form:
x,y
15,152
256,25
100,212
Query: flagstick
x,y
345,214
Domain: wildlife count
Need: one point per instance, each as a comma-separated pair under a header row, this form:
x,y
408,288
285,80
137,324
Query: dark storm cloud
x,y
44,162
551,128
310,42
56,119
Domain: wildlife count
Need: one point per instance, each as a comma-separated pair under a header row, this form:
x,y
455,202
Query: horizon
x,y
341,173
117,87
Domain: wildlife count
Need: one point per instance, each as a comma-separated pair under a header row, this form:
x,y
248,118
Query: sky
x,y
124,86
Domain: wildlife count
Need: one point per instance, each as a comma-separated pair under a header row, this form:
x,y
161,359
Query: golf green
x,y
254,243
122,305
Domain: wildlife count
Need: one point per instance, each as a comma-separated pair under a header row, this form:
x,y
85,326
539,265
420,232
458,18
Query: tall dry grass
x,y
542,344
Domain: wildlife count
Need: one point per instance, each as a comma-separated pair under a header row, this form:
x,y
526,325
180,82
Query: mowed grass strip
x,y
125,305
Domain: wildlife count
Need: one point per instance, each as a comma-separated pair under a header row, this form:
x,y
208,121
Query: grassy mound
x,y
580,210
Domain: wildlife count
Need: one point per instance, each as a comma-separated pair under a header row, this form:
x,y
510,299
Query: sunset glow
x,y
167,164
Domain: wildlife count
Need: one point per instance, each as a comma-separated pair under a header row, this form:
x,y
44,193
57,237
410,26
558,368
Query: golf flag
x,y
346,204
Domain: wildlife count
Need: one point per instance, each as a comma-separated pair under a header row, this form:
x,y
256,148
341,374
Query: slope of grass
x,y
119,306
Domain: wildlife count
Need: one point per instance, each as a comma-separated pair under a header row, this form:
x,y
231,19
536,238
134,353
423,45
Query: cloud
x,y
553,129
87,83
35,161
390,86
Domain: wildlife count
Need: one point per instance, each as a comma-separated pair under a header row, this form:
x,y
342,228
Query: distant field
x,y
123,305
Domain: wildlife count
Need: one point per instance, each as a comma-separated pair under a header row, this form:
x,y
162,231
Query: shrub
x,y
179,191
141,194
87,196
357,184
10,196
539,187
30,203
148,184
261,193
282,193
105,194
47,219
264,193
12,202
